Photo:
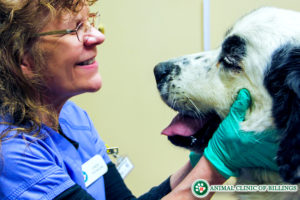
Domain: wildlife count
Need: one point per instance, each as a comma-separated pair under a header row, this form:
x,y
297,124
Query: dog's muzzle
x,y
164,71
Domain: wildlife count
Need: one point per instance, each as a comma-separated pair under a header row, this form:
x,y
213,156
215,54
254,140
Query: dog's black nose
x,y
162,70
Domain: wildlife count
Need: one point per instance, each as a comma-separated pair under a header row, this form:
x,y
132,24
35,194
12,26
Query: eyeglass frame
x,y
92,16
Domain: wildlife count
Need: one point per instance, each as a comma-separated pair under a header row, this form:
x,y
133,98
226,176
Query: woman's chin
x,y
95,84
95,89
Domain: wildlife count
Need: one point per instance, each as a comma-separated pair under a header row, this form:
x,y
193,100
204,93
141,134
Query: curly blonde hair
x,y
20,97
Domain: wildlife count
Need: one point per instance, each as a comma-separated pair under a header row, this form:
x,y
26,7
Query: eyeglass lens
x,y
93,21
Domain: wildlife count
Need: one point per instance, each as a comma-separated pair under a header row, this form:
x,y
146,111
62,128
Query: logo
x,y
85,176
200,188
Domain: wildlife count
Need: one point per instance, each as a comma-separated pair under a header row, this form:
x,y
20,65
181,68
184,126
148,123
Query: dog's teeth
x,y
193,140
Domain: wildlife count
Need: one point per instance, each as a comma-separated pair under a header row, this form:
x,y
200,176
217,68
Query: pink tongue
x,y
184,126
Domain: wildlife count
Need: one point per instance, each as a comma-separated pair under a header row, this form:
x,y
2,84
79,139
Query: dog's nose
x,y
161,70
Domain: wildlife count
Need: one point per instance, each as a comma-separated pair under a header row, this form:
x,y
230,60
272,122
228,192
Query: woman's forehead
x,y
66,17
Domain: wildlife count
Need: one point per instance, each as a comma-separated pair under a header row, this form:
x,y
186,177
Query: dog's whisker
x,y
174,102
164,93
195,106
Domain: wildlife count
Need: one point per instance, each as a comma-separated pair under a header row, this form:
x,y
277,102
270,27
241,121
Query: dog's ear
x,y
283,83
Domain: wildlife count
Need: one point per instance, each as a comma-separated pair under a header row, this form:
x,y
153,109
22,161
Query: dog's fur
x,y
261,52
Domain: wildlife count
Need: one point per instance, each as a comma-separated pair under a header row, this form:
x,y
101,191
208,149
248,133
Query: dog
x,y
260,52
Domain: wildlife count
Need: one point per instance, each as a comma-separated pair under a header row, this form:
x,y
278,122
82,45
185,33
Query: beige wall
x,y
127,111
225,13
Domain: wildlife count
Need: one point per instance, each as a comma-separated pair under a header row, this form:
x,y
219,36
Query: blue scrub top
x,y
34,168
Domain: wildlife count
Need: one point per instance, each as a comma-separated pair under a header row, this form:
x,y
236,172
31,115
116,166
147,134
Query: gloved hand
x,y
231,149
194,158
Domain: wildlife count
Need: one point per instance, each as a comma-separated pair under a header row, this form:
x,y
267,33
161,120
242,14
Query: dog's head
x,y
202,87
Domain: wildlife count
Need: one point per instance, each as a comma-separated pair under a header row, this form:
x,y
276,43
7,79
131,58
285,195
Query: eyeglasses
x,y
81,29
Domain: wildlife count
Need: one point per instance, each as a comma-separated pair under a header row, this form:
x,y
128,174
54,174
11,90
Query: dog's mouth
x,y
191,132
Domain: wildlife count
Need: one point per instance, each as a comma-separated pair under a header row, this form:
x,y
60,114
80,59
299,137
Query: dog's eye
x,y
230,63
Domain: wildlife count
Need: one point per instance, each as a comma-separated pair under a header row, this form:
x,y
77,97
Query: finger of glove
x,y
240,105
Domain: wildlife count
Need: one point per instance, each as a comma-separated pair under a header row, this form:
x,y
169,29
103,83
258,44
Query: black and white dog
x,y
261,52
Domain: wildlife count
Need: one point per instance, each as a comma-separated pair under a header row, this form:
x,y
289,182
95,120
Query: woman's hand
x,y
231,148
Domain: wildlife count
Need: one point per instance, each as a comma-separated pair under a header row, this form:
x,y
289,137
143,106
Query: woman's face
x,y
70,68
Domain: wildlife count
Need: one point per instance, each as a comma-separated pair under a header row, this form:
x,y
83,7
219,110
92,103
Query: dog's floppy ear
x,y
283,83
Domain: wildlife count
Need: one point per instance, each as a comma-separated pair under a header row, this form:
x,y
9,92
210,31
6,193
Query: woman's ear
x,y
27,65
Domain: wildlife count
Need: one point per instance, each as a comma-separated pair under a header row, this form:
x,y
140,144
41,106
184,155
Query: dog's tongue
x,y
184,126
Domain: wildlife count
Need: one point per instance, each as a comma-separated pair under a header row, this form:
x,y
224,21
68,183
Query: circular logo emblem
x,y
85,176
200,188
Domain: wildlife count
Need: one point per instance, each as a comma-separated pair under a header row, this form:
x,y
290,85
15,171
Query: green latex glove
x,y
195,157
231,149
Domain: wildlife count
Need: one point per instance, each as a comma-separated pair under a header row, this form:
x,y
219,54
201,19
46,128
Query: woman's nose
x,y
94,37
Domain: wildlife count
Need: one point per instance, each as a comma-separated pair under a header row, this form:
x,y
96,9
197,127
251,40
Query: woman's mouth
x,y
87,62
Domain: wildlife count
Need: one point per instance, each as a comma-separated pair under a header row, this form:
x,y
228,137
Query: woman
x,y
48,144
